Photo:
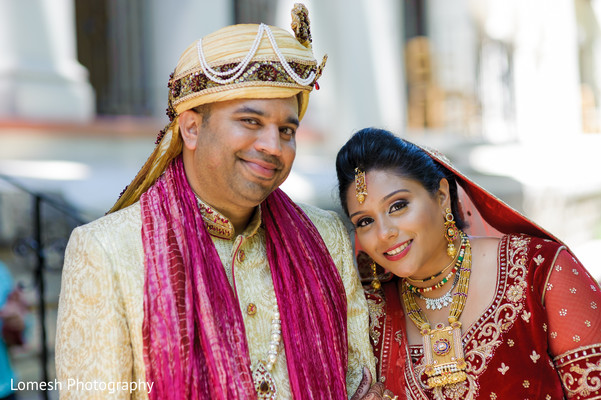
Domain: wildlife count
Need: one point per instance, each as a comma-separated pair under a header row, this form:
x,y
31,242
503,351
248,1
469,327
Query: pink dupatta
x,y
194,339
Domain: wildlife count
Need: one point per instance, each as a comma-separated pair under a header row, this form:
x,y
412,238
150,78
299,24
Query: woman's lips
x,y
399,251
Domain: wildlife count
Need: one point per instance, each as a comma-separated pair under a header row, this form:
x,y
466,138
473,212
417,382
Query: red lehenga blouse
x,y
540,338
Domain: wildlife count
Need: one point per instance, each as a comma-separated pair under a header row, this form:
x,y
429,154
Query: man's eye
x,y
288,131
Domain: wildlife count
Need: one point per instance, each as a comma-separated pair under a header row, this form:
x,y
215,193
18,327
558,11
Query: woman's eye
x,y
363,222
399,205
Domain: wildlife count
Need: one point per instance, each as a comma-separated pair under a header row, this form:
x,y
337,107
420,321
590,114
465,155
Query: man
x,y
205,280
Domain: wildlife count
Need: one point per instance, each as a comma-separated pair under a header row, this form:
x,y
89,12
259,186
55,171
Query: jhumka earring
x,y
450,232
360,186
375,283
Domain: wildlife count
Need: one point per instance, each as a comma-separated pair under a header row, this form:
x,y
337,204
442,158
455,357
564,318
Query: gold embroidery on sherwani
x,y
376,311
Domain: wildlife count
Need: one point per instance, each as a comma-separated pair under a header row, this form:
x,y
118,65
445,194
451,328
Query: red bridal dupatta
x,y
194,339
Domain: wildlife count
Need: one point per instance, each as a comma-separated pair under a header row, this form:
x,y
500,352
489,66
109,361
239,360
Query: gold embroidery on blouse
x,y
534,356
578,381
581,376
503,369
398,336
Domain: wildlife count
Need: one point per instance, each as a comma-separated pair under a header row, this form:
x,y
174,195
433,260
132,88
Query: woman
x,y
508,315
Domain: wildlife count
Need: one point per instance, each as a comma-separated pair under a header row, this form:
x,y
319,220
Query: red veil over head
x,y
486,214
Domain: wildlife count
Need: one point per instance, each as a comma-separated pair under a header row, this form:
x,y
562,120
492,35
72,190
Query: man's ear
x,y
189,122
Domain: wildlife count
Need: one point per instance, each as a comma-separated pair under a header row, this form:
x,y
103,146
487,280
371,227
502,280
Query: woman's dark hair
x,y
377,149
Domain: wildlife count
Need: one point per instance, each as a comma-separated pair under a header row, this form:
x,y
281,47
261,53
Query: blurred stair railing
x,y
36,245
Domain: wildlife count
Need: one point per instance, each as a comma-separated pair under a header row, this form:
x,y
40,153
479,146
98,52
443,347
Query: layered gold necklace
x,y
443,351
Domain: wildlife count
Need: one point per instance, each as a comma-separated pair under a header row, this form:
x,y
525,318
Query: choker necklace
x,y
436,275
460,255
443,351
437,303
264,382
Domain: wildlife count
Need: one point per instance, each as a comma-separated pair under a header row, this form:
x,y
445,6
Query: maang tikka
x,y
360,186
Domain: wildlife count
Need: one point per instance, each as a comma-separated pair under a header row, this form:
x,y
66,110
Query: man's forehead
x,y
264,107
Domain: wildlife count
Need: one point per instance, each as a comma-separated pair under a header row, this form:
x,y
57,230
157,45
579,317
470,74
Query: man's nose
x,y
269,141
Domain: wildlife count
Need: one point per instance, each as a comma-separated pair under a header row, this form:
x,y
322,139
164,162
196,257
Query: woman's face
x,y
400,225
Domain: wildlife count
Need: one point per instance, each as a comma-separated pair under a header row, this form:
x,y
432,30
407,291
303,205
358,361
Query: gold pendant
x,y
264,382
443,353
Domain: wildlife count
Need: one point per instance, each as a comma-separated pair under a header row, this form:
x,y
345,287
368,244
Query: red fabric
x,y
572,301
389,337
194,339
488,214
510,349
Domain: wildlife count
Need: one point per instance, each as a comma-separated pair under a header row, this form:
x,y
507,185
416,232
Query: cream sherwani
x,y
99,347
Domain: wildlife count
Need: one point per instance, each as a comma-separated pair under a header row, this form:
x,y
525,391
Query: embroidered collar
x,y
221,227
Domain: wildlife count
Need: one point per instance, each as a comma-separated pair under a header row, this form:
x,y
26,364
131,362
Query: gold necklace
x,y
443,352
457,265
436,275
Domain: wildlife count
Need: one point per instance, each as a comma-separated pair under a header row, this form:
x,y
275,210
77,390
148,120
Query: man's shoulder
x,y
119,222
319,215
327,222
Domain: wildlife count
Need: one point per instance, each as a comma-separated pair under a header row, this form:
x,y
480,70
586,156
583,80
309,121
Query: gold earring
x,y
360,186
375,283
450,232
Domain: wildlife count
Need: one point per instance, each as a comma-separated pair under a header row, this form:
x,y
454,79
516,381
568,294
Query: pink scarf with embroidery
x,y
194,339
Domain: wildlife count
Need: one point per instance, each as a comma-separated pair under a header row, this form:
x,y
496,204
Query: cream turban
x,y
243,61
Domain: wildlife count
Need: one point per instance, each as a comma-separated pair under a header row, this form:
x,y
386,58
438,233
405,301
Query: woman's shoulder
x,y
492,244
486,243
485,249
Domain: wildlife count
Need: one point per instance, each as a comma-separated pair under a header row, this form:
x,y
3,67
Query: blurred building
x,y
510,90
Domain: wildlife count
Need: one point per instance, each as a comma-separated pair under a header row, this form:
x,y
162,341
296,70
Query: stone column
x,y
173,28
363,81
40,77
548,104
